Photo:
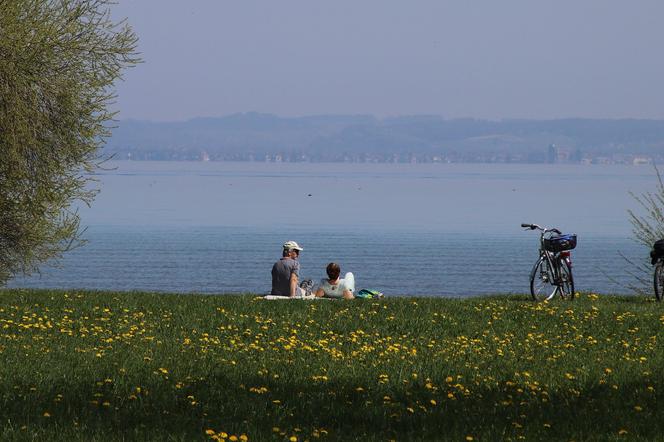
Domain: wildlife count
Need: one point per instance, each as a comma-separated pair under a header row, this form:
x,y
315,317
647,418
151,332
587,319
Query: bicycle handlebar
x,y
543,229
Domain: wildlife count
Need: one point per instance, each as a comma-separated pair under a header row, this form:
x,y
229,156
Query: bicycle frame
x,y
554,260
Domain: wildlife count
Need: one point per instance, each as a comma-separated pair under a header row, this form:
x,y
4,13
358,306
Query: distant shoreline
x,y
362,138
639,162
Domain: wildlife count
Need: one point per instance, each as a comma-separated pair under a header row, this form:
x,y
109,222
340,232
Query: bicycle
x,y
657,259
552,272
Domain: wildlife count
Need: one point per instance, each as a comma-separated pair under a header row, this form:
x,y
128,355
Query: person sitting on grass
x,y
286,271
333,287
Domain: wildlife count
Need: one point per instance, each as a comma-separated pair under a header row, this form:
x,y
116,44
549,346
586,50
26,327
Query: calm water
x,y
450,230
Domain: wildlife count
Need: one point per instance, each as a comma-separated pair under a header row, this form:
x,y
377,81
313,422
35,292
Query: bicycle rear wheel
x,y
658,279
542,285
567,280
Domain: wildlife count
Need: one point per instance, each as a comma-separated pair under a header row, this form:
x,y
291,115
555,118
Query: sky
x,y
482,59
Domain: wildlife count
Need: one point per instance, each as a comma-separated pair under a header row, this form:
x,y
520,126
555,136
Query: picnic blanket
x,y
277,297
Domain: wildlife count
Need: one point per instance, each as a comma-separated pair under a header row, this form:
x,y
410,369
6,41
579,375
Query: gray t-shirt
x,y
281,273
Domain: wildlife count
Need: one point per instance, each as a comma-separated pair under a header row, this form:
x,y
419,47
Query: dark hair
x,y
333,270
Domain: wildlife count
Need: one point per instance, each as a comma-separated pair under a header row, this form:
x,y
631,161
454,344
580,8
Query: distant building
x,y
552,154
576,156
639,161
563,155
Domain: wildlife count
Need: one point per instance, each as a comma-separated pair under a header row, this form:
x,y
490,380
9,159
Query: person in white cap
x,y
286,271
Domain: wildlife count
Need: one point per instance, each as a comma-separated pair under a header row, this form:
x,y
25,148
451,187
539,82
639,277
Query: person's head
x,y
291,249
333,270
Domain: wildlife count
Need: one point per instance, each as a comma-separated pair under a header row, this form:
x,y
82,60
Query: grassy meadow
x,y
83,365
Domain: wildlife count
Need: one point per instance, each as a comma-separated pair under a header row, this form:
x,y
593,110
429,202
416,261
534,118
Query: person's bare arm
x,y
320,293
293,285
348,294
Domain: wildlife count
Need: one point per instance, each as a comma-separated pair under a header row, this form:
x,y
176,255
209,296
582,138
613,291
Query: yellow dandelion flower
x,y
209,432
233,438
293,439
47,414
244,438
469,438
622,432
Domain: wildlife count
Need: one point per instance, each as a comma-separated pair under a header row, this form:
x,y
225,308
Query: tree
x,y
58,62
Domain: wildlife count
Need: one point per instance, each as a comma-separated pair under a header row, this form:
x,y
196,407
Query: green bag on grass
x,y
368,294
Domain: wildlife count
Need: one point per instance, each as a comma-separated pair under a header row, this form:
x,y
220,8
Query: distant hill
x,y
255,136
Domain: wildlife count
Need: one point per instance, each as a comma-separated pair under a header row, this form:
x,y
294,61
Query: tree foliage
x,y
58,62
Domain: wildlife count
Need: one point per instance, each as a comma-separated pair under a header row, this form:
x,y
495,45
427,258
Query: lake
x,y
405,229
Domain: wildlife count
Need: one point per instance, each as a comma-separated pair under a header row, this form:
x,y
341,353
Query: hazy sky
x,y
458,58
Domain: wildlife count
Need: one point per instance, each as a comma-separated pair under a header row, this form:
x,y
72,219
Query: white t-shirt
x,y
333,291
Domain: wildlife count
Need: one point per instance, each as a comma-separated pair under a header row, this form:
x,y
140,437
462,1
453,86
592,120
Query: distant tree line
x,y
261,137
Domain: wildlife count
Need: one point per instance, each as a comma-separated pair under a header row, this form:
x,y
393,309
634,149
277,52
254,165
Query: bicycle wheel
x,y
566,280
542,285
659,279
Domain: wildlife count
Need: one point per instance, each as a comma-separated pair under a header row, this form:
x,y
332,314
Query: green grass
x,y
81,365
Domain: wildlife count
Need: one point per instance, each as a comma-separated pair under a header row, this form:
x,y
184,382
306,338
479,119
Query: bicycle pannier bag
x,y
558,243
657,251
658,247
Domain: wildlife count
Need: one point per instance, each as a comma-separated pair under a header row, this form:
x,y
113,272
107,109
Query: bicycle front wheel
x,y
659,279
542,284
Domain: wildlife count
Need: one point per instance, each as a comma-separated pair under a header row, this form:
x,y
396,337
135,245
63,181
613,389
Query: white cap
x,y
292,245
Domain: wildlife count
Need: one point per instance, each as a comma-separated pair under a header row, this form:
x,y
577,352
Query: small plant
x,y
650,227
647,228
